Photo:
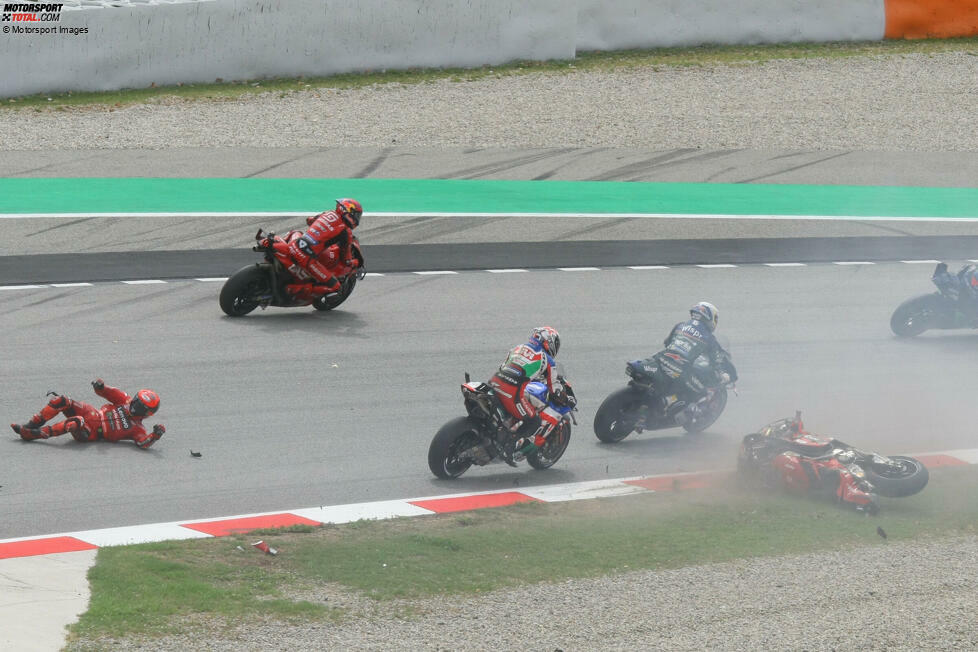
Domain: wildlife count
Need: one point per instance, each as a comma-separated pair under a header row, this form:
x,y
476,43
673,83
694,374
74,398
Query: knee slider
x,y
76,426
58,402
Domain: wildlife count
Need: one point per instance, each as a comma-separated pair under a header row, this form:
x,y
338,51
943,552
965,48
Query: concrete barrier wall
x,y
669,23
203,40
248,39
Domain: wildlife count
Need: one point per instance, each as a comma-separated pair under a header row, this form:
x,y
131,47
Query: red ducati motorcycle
x,y
264,284
784,454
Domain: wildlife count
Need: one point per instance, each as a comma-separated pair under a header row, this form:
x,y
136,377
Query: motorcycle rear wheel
x,y
451,439
237,297
916,315
617,416
550,452
330,301
910,479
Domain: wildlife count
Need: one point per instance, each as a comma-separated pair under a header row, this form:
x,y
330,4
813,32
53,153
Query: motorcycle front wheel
x,y
330,301
449,442
617,415
916,315
550,452
910,478
711,411
240,293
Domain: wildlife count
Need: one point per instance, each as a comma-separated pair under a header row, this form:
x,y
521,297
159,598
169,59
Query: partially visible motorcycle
x,y
641,406
489,432
784,454
937,310
265,284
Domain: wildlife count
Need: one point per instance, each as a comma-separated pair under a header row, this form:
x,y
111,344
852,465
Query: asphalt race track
x,y
294,408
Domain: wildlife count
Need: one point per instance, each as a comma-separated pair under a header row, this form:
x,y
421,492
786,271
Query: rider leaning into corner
x,y
326,241
683,383
963,286
533,361
121,418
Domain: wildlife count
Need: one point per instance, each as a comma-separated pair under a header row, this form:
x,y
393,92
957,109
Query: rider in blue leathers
x,y
680,381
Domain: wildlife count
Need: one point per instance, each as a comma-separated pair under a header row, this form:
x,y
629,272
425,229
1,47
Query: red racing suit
x,y
111,422
524,364
326,241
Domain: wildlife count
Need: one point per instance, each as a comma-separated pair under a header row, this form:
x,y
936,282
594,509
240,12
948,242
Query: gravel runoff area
x,y
912,102
893,596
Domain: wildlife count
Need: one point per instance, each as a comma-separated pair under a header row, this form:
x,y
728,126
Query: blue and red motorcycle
x,y
489,432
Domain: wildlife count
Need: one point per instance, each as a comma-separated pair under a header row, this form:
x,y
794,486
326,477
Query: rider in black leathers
x,y
679,380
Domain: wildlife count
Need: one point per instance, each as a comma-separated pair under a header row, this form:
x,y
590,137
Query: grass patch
x,y
149,589
222,90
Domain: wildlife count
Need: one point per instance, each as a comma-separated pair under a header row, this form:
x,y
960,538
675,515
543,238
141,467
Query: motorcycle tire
x,y
549,453
711,413
451,439
916,315
911,478
617,415
237,295
330,301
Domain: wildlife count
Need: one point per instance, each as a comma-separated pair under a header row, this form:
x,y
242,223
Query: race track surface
x,y
294,408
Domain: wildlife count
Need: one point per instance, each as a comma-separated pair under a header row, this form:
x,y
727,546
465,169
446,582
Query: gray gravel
x,y
893,596
905,102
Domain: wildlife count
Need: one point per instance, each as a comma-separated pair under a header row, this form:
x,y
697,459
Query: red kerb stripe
x,y
932,461
241,525
43,547
465,503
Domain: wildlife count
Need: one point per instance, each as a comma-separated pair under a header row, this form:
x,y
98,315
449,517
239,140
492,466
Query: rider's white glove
x,y
724,378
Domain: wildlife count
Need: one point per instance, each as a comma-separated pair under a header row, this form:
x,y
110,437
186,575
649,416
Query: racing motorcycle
x,y
264,284
783,453
489,432
641,406
935,310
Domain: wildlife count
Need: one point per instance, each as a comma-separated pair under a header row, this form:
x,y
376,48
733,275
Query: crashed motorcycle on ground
x,y
264,284
937,310
784,454
641,405
489,432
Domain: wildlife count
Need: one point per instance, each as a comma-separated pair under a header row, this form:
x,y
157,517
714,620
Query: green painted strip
x,y
140,195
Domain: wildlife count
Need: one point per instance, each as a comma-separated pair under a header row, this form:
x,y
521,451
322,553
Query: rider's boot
x,y
28,432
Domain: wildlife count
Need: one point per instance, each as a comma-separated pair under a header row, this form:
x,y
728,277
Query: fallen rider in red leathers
x,y
120,418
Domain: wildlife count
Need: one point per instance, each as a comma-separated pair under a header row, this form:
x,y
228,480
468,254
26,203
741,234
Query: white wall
x,y
247,39
135,46
623,24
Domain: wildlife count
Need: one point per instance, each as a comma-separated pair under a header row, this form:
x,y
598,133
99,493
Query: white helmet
x,y
706,313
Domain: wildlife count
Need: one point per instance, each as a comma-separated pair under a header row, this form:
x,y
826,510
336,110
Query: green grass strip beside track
x,y
156,195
